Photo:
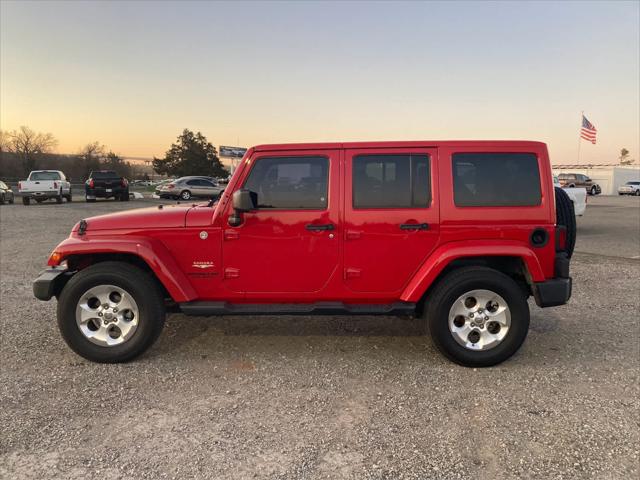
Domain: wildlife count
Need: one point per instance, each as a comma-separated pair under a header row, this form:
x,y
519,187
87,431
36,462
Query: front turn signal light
x,y
54,259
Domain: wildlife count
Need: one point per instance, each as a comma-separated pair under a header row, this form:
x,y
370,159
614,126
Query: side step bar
x,y
319,308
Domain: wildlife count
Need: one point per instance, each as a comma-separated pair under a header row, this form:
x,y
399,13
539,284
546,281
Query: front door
x,y
391,216
290,243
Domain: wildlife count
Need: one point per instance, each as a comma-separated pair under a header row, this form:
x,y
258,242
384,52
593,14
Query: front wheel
x,y
111,312
186,195
637,194
477,316
593,190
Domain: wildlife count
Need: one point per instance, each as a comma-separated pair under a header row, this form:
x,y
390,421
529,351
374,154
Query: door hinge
x,y
231,235
231,273
352,273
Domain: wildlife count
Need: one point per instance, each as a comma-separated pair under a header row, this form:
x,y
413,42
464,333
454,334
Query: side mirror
x,y
244,200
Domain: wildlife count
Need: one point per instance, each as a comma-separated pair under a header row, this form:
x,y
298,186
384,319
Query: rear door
x,y
391,216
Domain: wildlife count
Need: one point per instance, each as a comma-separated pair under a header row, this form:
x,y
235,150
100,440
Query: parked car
x,y
459,234
6,194
629,188
106,184
577,195
45,185
185,188
574,180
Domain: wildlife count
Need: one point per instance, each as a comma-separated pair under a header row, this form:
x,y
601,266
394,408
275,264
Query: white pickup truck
x,y
44,185
577,195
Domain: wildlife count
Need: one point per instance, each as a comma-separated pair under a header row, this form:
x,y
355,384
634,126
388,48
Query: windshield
x,y
44,176
633,183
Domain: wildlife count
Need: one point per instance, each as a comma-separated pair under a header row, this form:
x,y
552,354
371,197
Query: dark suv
x,y
458,234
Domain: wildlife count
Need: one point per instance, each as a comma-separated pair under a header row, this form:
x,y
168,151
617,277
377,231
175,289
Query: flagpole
x,y
579,133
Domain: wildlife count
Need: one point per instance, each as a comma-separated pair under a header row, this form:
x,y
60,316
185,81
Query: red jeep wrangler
x,y
459,233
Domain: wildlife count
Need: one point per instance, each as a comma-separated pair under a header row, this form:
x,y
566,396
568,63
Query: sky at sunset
x,y
132,75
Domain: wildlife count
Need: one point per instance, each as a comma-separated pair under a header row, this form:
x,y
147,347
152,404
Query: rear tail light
x,y
55,184
170,186
91,183
124,182
19,185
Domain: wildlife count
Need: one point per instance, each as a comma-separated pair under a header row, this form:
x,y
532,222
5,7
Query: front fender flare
x,y
152,251
445,254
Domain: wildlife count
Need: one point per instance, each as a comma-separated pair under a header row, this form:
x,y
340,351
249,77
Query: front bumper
x,y
50,283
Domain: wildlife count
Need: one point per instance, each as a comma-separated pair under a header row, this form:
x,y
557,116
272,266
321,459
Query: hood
x,y
162,216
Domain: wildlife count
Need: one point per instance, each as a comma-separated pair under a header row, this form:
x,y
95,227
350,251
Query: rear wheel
x,y
637,194
593,190
59,197
2,199
566,217
185,195
477,316
12,199
110,312
26,200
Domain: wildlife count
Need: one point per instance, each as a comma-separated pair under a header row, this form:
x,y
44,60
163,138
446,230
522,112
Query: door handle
x,y
315,227
414,226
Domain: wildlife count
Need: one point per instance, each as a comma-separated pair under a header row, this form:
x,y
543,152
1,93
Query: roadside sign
x,y
231,152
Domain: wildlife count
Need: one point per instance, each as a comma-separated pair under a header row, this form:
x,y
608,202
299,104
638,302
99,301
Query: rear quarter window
x,y
497,179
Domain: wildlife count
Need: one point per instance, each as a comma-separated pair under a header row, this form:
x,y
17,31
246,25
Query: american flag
x,y
588,131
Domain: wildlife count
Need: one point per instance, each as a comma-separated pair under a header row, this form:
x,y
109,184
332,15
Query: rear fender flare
x,y
152,251
447,253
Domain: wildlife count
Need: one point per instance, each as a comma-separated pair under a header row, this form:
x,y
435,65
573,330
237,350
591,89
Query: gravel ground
x,y
321,397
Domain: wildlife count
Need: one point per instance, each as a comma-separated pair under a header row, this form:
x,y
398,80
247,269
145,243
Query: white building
x,y
609,177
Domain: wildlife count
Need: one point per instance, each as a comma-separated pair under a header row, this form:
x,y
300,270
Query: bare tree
x,y
91,156
5,141
28,145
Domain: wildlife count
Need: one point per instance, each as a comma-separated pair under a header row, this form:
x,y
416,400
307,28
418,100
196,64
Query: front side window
x,y
391,181
290,182
496,179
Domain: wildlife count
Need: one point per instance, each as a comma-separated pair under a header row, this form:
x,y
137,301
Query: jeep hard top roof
x,y
401,144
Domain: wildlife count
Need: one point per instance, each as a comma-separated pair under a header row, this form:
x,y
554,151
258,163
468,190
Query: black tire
x,y
457,283
594,190
69,197
26,200
637,193
185,195
566,216
2,199
59,197
12,199
141,286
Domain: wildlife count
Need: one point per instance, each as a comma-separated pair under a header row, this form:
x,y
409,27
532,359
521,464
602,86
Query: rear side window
x,y
42,176
496,180
391,181
290,182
